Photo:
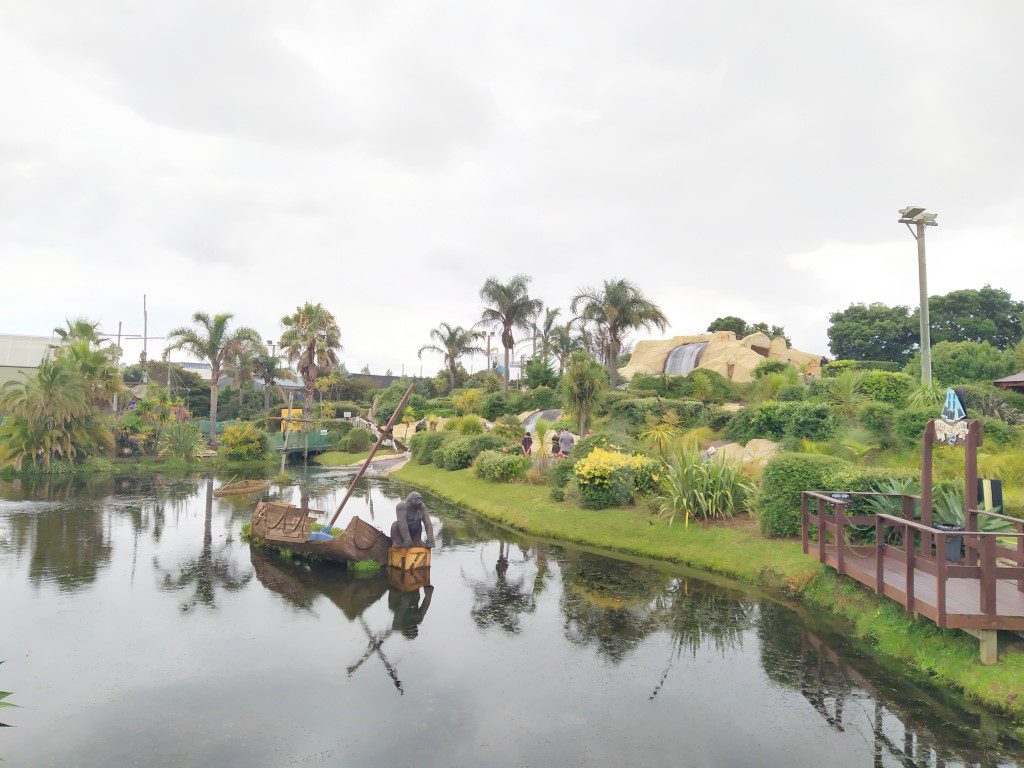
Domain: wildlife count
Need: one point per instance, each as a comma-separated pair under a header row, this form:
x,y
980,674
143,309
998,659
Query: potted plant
x,y
949,516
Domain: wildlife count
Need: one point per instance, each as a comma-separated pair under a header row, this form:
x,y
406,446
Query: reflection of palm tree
x,y
502,601
208,571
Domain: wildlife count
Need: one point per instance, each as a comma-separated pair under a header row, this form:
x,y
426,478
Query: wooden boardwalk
x,y
980,592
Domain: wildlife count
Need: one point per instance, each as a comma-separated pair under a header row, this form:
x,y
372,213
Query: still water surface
x,y
138,629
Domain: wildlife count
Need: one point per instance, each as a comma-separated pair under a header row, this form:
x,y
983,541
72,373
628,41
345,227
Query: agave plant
x,y
703,490
890,505
949,509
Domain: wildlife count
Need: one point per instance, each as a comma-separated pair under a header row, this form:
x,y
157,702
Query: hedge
x,y
785,479
422,445
788,475
459,453
878,419
887,387
500,467
636,410
841,366
910,422
775,420
356,441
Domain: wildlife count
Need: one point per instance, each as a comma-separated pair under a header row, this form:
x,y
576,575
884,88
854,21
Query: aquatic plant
x,y
365,566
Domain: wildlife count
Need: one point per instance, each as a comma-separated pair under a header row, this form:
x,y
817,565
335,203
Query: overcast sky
x,y
384,158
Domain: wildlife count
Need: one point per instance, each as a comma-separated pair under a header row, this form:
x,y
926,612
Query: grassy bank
x,y
739,551
344,458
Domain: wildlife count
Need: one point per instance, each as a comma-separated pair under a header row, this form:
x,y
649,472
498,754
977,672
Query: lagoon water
x,y
139,629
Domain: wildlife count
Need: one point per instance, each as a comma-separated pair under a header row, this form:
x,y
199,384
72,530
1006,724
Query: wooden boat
x,y
286,526
242,487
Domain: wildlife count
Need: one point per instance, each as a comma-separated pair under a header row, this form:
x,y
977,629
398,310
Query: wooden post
x,y
988,645
840,538
879,556
927,447
908,546
988,575
821,530
971,485
1020,551
804,526
940,578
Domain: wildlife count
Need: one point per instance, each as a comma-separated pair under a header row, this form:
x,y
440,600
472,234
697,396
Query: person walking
x,y
565,442
527,444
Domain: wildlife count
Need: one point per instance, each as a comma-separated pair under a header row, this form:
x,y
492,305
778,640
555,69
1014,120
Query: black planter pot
x,y
954,544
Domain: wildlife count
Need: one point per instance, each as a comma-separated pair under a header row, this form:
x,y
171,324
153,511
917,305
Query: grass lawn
x,y
344,458
739,551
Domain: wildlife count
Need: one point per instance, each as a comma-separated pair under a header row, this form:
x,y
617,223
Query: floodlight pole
x,y
926,335
920,219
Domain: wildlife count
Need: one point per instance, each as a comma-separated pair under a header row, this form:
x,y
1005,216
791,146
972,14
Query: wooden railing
x,y
921,547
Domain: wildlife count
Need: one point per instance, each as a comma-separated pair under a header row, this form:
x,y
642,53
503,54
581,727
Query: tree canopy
x,y
872,332
961,362
984,315
742,328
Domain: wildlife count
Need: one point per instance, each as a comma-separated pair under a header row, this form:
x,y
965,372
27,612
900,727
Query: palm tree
x,y
618,308
563,344
508,306
452,342
583,384
268,369
311,340
80,329
545,332
211,340
97,367
241,366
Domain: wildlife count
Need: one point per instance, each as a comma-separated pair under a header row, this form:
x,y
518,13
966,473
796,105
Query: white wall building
x,y
21,353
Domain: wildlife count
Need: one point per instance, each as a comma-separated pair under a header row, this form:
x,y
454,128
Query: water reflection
x,y
206,572
657,645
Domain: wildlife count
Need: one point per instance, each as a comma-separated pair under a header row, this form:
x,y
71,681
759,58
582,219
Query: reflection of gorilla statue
x,y
412,519
408,610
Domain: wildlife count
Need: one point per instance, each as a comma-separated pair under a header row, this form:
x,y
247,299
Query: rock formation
x,y
722,352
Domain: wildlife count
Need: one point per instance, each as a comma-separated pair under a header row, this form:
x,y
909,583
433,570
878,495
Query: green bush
x,y
543,397
887,387
557,494
878,419
859,479
910,422
785,479
500,467
812,421
241,442
613,441
356,441
422,445
459,453
778,420
493,406
636,410
791,393
560,473
1001,434
768,366
956,362
468,425
718,417
605,479
838,367
646,476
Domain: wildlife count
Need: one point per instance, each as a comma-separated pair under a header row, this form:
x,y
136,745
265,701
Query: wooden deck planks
x,y
963,596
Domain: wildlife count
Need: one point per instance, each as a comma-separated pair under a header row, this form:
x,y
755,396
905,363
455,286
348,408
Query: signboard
x,y
839,496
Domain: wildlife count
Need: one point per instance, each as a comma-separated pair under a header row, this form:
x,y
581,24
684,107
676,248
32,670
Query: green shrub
x,y
708,387
241,442
604,478
778,420
718,417
768,366
509,428
1001,434
557,494
785,479
791,393
812,421
356,441
704,490
422,445
494,406
956,362
468,425
560,473
500,467
878,419
647,474
459,453
635,411
544,397
887,387
842,366
613,441
910,422
851,477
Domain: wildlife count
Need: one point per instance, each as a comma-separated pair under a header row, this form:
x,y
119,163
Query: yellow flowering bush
x,y
608,478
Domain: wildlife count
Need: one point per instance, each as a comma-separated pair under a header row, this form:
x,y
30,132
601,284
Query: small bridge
x,y
310,441
979,591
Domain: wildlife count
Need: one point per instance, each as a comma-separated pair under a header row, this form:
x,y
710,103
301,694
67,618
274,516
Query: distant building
x,y
203,369
1014,383
23,354
378,381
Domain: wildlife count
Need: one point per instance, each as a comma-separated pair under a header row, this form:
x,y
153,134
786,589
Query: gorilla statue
x,y
412,516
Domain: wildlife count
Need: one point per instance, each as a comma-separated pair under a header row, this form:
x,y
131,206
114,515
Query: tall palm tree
x,y
545,330
508,306
616,309
563,343
211,340
80,329
453,342
268,369
241,366
583,385
97,367
311,340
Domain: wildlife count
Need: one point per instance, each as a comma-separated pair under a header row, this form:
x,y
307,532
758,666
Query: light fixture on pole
x,y
916,219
